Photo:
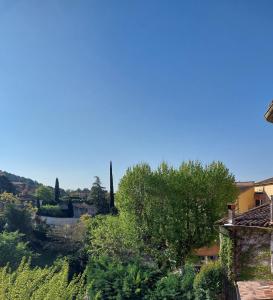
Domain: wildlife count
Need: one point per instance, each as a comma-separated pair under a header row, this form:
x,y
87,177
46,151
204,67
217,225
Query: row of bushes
x,y
54,211
109,279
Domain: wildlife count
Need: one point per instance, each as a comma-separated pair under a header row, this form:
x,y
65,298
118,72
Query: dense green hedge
x,y
111,279
52,211
208,283
175,286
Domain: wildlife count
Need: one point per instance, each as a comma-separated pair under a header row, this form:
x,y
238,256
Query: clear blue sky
x,y
83,82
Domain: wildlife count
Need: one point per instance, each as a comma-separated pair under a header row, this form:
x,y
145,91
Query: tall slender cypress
x,y
57,191
112,199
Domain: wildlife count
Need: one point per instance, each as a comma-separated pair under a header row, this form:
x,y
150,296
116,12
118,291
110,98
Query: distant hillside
x,y
21,184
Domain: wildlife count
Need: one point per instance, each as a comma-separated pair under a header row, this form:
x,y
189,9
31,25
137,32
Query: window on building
x,y
259,202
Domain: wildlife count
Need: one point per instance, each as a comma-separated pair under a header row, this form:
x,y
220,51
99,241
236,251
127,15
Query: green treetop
x,y
45,193
175,209
98,196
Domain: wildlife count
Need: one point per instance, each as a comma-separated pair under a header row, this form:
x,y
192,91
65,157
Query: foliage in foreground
x,y
12,249
208,283
109,279
175,286
40,283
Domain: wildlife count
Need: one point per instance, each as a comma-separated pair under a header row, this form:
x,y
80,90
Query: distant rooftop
x,y
265,182
245,185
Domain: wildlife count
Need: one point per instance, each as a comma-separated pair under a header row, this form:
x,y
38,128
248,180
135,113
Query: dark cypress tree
x,y
70,209
57,191
112,196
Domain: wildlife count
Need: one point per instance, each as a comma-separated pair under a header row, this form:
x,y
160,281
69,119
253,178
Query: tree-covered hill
x,y
21,183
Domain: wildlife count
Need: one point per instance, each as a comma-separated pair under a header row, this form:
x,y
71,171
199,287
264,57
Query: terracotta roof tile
x,y
255,290
258,216
265,182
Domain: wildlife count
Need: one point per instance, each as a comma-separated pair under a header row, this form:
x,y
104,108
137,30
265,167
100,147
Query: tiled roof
x,y
255,290
207,251
244,186
265,182
258,217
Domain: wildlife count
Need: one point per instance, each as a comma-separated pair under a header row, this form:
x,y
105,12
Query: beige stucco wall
x,y
267,189
245,201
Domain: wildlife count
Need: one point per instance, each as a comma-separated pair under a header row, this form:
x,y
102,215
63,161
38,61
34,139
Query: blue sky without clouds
x,y
83,82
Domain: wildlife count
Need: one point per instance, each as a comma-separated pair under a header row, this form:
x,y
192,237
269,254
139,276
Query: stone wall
x,y
252,259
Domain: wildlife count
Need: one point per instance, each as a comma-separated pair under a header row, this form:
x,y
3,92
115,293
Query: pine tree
x,y
98,196
57,191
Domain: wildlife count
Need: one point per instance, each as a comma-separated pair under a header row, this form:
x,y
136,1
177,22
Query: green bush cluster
x,y
208,283
52,211
175,286
111,279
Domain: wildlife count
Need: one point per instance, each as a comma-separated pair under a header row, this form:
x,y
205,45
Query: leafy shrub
x,y
188,276
109,279
175,286
113,236
9,198
40,283
52,211
168,287
17,218
208,283
12,249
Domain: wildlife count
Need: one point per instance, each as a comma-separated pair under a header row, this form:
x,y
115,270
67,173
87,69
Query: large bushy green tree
x,y
17,218
45,194
175,209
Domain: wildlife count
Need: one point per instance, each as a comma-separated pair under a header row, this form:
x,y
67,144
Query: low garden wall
x,y
59,221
